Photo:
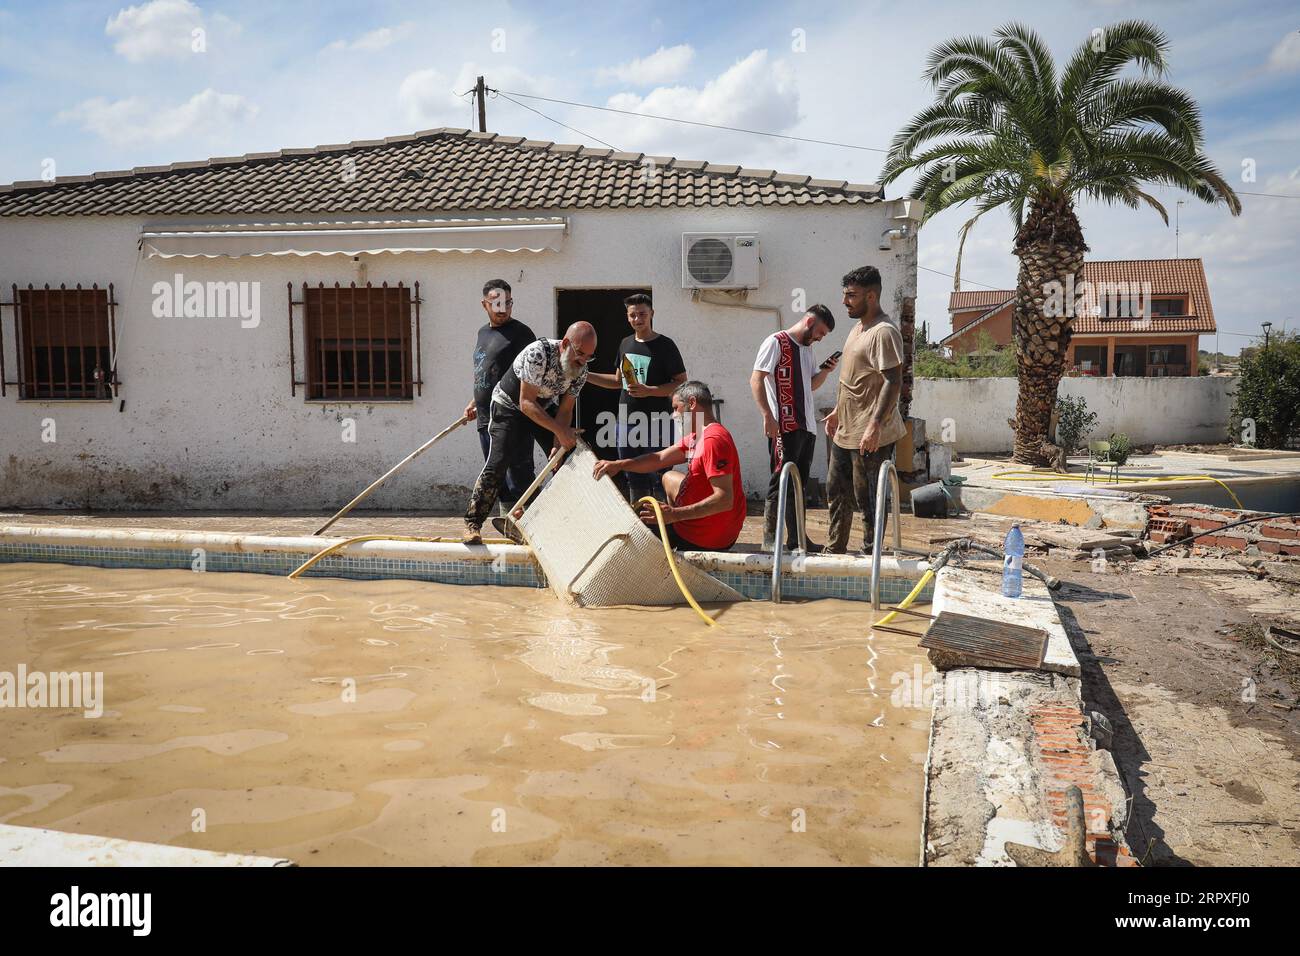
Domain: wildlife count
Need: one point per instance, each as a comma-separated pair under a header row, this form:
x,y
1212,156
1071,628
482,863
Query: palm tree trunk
x,y
1050,247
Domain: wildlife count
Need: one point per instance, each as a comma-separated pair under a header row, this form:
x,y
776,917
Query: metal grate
x,y
960,640
66,343
361,341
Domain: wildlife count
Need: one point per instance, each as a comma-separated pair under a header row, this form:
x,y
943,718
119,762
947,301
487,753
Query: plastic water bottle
x,y
1013,563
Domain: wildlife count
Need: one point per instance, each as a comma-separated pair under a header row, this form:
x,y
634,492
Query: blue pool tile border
x,y
281,564
756,586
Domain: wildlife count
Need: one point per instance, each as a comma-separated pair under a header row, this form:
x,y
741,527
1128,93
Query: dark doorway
x,y
1130,360
603,308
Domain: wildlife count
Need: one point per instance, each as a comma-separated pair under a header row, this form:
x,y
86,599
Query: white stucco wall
x,y
209,421
1148,410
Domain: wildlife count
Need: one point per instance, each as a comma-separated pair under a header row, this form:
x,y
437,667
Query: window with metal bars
x,y
65,342
359,341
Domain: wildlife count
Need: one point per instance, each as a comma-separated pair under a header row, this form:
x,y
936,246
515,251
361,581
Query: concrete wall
x,y
209,421
1148,410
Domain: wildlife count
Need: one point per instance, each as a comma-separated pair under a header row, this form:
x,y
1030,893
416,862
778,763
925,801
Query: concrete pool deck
x,y
1263,480
441,561
36,846
1006,744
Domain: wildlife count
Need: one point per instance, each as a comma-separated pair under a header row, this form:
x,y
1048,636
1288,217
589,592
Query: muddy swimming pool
x,y
398,722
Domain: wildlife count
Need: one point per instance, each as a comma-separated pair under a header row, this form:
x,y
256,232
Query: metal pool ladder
x,y
788,472
887,471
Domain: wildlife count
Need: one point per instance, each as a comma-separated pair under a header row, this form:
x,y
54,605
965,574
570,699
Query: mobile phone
x,y
834,356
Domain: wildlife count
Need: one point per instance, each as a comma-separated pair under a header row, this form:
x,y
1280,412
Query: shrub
x,y
1268,395
1121,446
1073,423
987,361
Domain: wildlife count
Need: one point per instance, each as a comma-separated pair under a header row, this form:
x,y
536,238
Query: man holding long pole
x,y
533,401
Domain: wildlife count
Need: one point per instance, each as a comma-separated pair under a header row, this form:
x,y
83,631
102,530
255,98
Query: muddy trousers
x,y
511,434
796,446
851,486
519,473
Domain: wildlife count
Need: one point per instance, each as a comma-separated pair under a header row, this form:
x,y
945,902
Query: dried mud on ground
x,y
1206,716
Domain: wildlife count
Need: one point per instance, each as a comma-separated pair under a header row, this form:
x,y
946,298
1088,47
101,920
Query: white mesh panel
x,y
595,550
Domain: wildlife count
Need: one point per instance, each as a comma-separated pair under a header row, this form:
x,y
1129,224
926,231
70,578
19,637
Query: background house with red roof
x,y
1151,328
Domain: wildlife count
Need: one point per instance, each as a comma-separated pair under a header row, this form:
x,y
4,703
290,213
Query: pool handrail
x,y
890,473
788,471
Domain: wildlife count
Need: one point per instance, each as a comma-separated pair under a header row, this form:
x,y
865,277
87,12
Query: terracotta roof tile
x,y
1185,277
444,169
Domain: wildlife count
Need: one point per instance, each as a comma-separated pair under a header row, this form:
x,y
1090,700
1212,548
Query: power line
x,y
1242,192
995,288
553,120
673,119
733,129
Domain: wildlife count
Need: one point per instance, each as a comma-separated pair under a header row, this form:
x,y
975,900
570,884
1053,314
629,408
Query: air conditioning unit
x,y
721,260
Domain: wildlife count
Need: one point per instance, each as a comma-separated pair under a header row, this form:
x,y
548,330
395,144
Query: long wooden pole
x,y
392,471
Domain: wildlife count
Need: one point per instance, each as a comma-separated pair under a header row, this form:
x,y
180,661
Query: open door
x,y
603,308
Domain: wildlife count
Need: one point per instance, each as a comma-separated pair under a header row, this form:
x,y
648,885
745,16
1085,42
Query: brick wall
x,y
1168,523
1068,757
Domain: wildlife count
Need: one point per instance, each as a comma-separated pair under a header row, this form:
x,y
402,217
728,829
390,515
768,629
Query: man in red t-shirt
x,y
706,505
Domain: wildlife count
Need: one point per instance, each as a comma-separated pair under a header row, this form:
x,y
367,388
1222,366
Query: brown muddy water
x,y
397,722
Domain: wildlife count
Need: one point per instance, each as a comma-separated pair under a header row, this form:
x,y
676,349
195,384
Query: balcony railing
x,y
1161,370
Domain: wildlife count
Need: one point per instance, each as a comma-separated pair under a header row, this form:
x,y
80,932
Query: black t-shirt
x,y
657,362
494,353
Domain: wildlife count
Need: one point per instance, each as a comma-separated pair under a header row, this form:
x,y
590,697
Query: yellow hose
x,y
672,562
378,537
1163,479
907,601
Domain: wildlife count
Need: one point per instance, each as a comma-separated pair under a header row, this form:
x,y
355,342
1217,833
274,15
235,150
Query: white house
x,y
248,334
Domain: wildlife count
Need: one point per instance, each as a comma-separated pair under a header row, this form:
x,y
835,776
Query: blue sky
x,y
93,86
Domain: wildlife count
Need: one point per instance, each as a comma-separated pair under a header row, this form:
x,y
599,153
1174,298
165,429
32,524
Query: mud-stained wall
x,y
208,420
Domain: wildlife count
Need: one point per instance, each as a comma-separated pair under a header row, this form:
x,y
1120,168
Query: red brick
x,y
1271,530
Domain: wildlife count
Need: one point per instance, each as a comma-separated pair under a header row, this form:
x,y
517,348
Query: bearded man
x,y
533,402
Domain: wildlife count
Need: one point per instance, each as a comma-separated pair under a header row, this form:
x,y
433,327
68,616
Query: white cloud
x,y
370,42
753,93
425,97
1285,57
133,120
158,29
663,66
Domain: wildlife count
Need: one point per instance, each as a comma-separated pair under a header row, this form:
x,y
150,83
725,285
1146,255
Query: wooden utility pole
x,y
479,90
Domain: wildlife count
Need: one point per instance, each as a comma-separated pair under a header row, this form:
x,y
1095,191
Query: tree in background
x,y
1006,131
1266,404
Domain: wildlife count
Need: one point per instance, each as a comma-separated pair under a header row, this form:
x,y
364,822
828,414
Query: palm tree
x,y
1004,130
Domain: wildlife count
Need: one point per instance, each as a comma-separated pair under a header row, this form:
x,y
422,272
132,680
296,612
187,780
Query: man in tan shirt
x,y
866,422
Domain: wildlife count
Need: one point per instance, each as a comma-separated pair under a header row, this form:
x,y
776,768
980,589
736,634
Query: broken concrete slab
x,y
1079,511
1006,746
36,846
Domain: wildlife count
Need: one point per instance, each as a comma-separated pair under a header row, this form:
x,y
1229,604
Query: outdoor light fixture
x,y
899,232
